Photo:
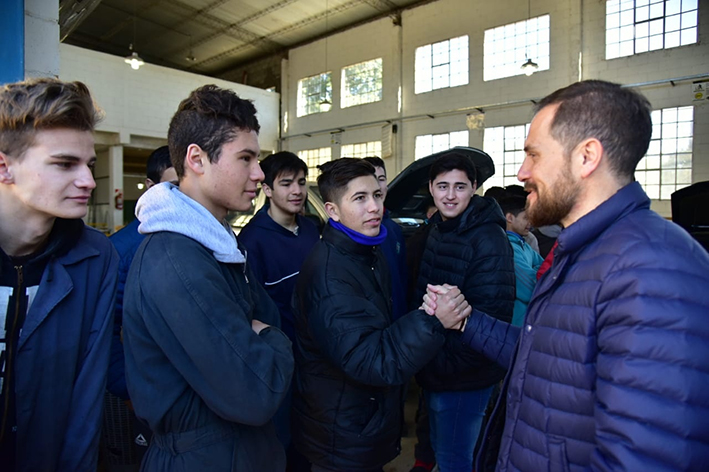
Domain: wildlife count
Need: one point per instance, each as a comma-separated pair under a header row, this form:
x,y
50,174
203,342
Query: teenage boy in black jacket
x,y
353,361
468,248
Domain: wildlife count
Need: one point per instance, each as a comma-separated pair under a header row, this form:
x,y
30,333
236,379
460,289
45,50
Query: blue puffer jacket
x,y
612,365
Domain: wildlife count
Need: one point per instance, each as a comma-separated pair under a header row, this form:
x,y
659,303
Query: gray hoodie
x,y
165,208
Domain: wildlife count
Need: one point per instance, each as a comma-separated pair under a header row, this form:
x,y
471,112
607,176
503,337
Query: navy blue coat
x,y
62,359
612,365
205,383
126,242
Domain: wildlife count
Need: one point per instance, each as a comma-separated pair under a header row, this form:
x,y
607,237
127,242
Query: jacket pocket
x,y
558,461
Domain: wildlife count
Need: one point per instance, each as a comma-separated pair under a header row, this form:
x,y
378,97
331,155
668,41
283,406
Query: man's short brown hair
x,y
40,104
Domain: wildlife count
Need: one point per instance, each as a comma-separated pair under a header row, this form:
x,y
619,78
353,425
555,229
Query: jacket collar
x,y
481,210
587,228
344,243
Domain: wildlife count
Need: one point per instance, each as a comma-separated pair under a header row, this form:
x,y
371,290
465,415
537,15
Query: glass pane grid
x,y
361,83
634,27
667,166
507,47
313,158
505,144
312,91
428,144
372,148
441,65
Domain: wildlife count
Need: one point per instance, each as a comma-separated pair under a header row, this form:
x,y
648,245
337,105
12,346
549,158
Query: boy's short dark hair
x,y
158,162
283,162
498,193
376,161
453,161
210,117
35,105
337,174
513,204
516,190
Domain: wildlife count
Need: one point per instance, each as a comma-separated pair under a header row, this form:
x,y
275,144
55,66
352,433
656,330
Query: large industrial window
x,y
505,144
428,144
312,91
635,26
440,65
361,83
313,158
667,166
372,148
507,47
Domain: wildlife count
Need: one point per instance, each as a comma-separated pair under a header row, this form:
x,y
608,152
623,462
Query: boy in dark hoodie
x,y
57,280
206,365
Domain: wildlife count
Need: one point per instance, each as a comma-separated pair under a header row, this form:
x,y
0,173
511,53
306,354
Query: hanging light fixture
x,y
325,105
133,59
529,67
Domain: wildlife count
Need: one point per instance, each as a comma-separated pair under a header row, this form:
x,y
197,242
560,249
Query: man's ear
x,y
475,186
332,211
5,173
267,190
510,218
149,183
588,156
194,159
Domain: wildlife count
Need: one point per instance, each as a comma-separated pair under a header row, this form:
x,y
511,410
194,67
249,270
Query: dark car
x,y
691,211
408,197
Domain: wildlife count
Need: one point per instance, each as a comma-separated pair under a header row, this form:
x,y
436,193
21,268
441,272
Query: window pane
x,y
507,47
649,25
440,65
669,154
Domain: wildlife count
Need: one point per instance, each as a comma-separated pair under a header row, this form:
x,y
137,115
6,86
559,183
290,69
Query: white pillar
x,y
115,187
41,38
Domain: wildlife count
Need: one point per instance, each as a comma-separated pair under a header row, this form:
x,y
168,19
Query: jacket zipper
x,y
9,347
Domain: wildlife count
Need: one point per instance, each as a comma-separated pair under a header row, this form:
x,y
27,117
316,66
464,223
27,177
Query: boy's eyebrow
x,y
70,157
285,179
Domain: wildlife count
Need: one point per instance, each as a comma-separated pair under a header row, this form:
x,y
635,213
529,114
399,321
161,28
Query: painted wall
x,y
141,103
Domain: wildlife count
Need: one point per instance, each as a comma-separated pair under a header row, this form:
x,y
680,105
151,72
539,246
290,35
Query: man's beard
x,y
555,205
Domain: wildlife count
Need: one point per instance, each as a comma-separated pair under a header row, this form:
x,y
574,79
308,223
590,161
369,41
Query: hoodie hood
x,y
164,208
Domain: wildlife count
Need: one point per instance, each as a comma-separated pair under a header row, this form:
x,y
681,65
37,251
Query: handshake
x,y
447,303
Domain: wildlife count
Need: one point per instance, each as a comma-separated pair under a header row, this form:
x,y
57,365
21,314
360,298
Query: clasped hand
x,y
447,303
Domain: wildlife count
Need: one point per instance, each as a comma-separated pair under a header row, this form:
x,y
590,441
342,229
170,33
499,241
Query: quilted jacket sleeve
x,y
493,338
355,337
653,363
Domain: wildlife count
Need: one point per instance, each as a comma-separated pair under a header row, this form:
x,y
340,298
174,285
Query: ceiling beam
x,y
287,29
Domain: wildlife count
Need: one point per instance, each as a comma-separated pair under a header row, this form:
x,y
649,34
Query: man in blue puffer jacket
x,y
611,366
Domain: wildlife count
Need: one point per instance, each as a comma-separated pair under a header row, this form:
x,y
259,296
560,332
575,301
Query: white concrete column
x,y
41,38
115,187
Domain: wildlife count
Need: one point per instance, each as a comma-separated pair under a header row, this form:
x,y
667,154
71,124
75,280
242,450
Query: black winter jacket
x,y
352,361
472,252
